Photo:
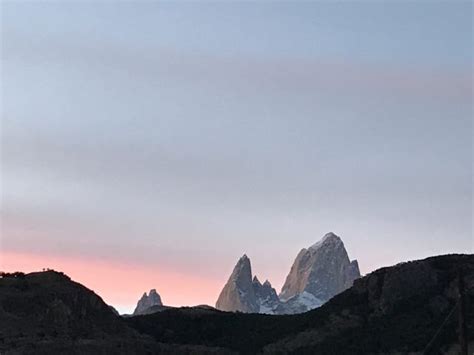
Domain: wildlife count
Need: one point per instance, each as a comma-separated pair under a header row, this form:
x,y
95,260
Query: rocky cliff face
x,y
238,293
148,301
244,294
323,270
266,297
318,273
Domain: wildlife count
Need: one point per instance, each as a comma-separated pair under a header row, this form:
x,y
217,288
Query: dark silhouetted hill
x,y
48,313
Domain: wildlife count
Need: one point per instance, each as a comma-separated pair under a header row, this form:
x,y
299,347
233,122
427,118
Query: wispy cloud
x,y
167,67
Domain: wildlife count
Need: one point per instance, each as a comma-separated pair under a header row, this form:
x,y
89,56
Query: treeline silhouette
x,y
17,274
20,275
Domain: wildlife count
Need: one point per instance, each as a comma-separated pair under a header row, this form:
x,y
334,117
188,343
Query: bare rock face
x,y
147,301
266,296
238,293
322,271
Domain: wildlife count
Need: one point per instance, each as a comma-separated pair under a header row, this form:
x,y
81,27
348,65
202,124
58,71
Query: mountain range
x,y
317,274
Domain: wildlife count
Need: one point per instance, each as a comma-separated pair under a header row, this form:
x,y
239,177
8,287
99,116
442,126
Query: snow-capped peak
x,y
328,239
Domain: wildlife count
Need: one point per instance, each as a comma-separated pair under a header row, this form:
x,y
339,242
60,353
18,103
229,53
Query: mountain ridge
x,y
317,274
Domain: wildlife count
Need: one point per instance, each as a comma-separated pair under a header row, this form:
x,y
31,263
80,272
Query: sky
x,y
151,144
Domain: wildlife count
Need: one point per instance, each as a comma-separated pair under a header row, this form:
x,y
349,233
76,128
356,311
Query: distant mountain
x,y
152,303
147,301
318,273
240,291
323,270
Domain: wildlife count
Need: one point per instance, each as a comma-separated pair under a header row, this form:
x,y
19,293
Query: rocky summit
x,y
318,273
323,270
148,301
238,293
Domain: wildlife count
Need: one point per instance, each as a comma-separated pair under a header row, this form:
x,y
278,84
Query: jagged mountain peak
x,y
243,263
238,293
246,294
318,273
147,301
244,259
323,270
329,239
242,272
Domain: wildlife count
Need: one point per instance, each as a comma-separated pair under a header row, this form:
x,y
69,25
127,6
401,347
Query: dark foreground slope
x,y
47,313
393,310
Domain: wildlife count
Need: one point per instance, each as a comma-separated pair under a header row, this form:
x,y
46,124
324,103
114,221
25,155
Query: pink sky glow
x,y
120,285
